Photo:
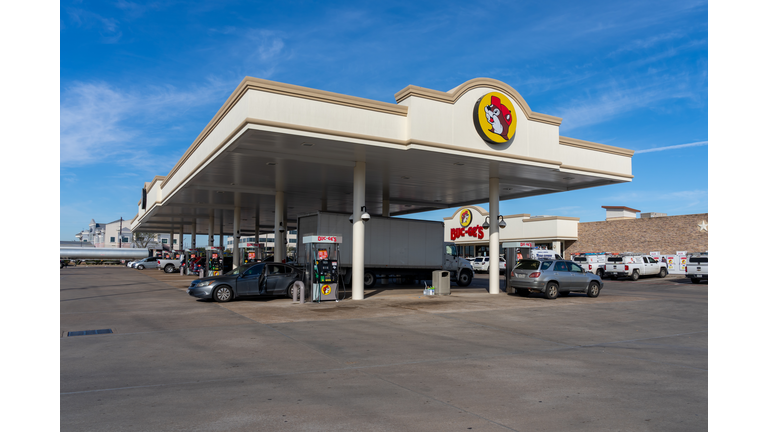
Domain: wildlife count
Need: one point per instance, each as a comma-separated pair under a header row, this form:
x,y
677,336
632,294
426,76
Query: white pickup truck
x,y
697,268
169,265
634,266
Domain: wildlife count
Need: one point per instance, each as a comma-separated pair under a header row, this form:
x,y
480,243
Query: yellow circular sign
x,y
465,217
326,289
495,118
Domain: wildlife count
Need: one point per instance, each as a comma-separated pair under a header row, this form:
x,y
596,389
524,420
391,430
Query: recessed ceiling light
x,y
567,178
231,184
405,177
307,144
458,163
271,163
438,200
507,188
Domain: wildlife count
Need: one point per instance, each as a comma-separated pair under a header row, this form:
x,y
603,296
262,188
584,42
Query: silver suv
x,y
553,278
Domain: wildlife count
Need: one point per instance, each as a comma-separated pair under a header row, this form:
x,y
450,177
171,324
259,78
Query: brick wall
x,y
666,234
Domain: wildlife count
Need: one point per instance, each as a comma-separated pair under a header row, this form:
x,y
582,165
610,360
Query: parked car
x,y
261,279
480,264
634,266
553,278
502,265
149,262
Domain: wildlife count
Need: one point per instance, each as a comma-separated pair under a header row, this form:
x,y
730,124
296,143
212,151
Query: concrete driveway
x,y
635,358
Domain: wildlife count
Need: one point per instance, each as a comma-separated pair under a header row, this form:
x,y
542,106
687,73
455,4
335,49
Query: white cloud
x,y
673,147
99,121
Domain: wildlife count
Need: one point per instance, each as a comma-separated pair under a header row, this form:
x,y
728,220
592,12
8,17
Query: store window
x,y
112,240
165,241
125,239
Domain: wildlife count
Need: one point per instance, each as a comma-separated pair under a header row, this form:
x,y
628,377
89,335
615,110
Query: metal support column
x,y
279,239
236,233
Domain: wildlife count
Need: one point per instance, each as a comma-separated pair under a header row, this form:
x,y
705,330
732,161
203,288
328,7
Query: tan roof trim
x,y
621,208
251,83
573,142
451,96
480,210
589,170
484,152
152,183
546,218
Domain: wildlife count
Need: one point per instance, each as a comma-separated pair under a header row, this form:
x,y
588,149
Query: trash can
x,y
441,280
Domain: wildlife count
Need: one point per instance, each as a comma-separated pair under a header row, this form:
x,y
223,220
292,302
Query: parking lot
x,y
634,358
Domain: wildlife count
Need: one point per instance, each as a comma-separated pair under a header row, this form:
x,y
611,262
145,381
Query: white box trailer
x,y
394,247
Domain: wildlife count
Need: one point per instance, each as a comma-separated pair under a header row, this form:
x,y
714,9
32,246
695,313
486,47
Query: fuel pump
x,y
514,252
251,252
213,256
322,266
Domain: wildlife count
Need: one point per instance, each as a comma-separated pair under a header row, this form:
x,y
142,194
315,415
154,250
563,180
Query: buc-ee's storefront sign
x,y
495,118
465,219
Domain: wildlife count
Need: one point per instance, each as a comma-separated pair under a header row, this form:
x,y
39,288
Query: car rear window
x,y
702,260
615,259
528,264
580,259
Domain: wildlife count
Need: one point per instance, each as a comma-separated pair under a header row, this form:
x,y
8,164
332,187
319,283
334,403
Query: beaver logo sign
x,y
465,217
495,118
326,289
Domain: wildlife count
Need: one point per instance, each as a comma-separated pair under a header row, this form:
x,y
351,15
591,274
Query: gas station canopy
x,y
430,150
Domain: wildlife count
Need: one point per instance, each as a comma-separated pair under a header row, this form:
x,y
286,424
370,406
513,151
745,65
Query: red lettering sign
x,y
475,231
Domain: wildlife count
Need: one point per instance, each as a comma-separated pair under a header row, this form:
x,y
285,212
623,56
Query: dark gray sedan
x,y
262,279
553,278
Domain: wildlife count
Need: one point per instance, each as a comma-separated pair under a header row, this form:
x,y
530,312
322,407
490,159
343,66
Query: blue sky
x,y
139,81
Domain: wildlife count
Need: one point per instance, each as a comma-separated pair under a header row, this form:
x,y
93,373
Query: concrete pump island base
x,y
276,152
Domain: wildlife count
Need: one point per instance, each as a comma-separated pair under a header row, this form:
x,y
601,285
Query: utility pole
x,y
120,234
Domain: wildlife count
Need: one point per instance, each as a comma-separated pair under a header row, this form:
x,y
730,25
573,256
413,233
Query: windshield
x,y
580,259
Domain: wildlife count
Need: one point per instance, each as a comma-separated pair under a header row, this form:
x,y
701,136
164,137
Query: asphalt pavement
x,y
632,359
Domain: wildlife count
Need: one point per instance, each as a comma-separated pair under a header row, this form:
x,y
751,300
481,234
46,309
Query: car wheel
x,y
593,290
635,275
369,279
223,294
693,280
600,273
551,291
289,291
465,278
141,267
522,292
169,268
565,293
663,272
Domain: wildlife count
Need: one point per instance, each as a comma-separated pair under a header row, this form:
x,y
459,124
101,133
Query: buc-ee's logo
x,y
495,118
465,218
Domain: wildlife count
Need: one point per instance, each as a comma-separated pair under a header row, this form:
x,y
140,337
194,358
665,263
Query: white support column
x,y
236,233
279,239
172,236
493,238
358,232
257,227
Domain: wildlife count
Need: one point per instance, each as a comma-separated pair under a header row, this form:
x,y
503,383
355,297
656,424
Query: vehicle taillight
x,y
626,268
534,275
590,266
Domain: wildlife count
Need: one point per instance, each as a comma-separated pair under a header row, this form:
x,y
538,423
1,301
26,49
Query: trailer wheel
x,y
663,272
635,275
464,279
369,279
169,268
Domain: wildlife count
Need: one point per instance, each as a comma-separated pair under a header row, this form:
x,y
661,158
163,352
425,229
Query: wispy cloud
x,y
101,122
673,147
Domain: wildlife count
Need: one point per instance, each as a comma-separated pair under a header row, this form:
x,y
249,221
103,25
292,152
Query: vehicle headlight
x,y
203,284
